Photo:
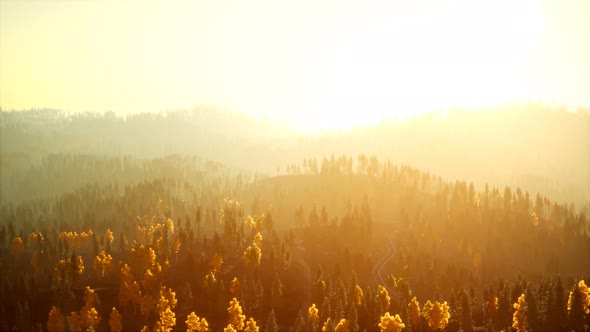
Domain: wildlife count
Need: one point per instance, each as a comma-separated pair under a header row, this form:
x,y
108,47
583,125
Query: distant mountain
x,y
536,146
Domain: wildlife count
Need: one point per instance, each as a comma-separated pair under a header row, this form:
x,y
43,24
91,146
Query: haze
x,y
314,64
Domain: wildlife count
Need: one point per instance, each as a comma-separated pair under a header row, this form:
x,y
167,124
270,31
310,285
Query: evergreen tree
x,y
466,318
271,323
532,314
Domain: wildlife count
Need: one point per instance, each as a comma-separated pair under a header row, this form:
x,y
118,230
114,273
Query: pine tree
x,y
276,291
353,318
556,313
532,310
299,323
271,323
466,318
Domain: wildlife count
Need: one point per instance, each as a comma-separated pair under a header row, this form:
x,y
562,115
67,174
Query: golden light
x,y
317,64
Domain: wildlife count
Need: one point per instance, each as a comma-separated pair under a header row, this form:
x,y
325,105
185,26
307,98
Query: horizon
x,y
351,64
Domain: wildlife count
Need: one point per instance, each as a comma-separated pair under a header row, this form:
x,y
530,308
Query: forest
x,y
184,221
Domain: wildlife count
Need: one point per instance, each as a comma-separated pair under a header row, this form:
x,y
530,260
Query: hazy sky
x,y
315,63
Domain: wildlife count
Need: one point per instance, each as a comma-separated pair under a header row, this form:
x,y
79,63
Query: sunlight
x,y
316,64
363,70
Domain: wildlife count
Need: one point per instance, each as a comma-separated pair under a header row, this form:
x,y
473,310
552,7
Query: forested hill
x,y
349,240
551,156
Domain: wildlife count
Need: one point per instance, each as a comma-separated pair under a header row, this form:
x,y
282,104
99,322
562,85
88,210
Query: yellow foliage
x,y
534,219
584,295
358,295
229,328
437,314
142,258
129,292
252,255
18,247
196,324
342,326
75,322
115,321
216,262
414,312
491,306
519,317
109,236
210,280
236,319
77,240
56,321
312,313
390,323
258,240
234,287
251,326
383,298
167,321
102,264
90,318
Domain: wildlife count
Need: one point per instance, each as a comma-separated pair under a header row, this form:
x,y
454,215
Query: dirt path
x,y
378,268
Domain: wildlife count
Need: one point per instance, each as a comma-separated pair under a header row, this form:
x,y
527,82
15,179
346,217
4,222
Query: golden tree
x,y
110,237
390,323
342,326
236,319
167,299
383,299
210,280
437,314
18,247
519,318
234,287
358,295
252,255
88,313
251,326
491,306
196,324
229,328
56,321
141,258
166,322
414,312
115,321
258,240
102,263
216,262
75,322
328,325
578,304
313,318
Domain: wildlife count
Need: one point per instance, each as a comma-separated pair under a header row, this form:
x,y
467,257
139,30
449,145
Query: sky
x,y
314,64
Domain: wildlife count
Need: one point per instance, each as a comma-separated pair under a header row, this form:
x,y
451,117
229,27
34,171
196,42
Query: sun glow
x,y
317,64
